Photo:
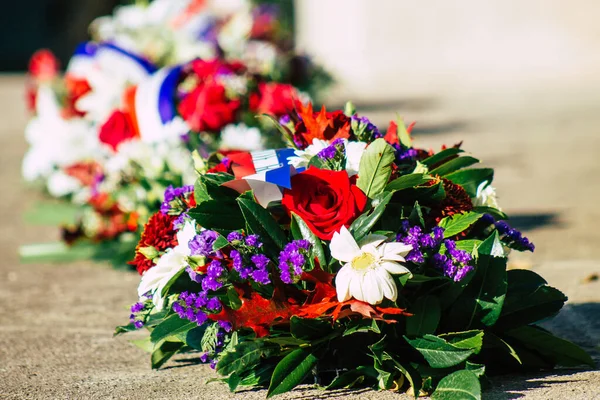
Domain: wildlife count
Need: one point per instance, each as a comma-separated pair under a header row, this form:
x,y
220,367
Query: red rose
x,y
322,125
117,129
208,108
325,200
273,98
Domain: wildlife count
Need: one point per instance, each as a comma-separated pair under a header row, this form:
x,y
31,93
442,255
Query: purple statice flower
x,y
292,260
191,306
364,129
194,276
454,264
225,325
172,201
180,221
202,243
235,236
420,241
238,264
136,309
514,237
253,241
212,280
328,153
284,119
261,276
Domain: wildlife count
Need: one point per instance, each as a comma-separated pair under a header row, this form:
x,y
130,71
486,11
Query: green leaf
x,y
470,179
244,356
454,165
291,371
143,344
353,377
477,369
561,351
164,352
458,223
426,316
171,327
441,156
412,375
300,230
460,385
481,301
363,224
361,326
375,167
528,300
494,212
407,181
403,135
220,242
309,328
260,221
469,245
465,340
233,382
218,215
438,352
208,187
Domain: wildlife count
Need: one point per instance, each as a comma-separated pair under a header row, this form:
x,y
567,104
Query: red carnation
x,y
208,108
158,233
117,129
273,98
322,125
325,200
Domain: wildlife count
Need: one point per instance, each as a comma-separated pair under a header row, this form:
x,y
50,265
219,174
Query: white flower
x,y
365,274
354,152
168,265
55,141
241,137
486,196
60,184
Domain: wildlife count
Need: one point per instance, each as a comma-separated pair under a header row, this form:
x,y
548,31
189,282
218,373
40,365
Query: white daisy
x,y
367,265
486,196
168,265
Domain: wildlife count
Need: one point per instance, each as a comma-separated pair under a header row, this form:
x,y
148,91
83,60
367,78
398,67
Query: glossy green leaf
x,y
407,181
561,351
441,156
244,356
438,352
375,167
458,223
471,178
353,378
460,385
164,352
300,230
363,224
171,326
260,221
454,165
309,328
425,318
221,216
291,371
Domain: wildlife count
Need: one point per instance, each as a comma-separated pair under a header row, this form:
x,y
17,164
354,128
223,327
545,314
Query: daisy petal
x,y
387,284
356,289
343,246
372,291
342,283
394,267
394,251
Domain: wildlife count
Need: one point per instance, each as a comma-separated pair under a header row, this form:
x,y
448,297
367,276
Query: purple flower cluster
x,y
193,306
364,129
215,346
246,261
172,203
134,316
202,243
292,260
405,154
332,151
419,240
454,263
513,237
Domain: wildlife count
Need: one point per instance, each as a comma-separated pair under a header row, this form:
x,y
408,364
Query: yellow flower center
x,y
362,262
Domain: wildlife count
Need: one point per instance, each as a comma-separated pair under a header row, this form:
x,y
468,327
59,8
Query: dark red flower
x,y
207,107
158,233
456,201
326,200
322,125
117,129
43,65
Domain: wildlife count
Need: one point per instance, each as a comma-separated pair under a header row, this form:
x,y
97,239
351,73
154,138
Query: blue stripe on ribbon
x,y
166,95
86,49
